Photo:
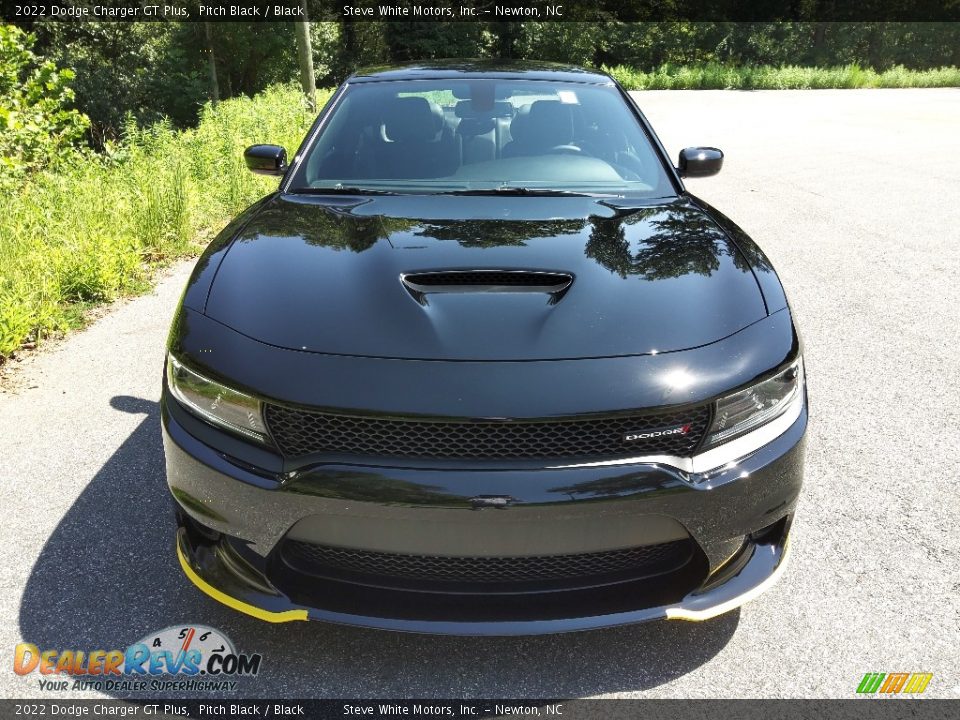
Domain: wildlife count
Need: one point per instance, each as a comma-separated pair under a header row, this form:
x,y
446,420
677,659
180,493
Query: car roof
x,y
474,69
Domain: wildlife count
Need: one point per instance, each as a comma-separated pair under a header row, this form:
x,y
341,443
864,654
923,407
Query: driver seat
x,y
415,142
540,127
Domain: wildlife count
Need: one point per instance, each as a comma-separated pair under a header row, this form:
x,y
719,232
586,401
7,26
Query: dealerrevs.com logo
x,y
178,658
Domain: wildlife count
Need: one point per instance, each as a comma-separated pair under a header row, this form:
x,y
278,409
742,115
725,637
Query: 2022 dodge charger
x,y
482,365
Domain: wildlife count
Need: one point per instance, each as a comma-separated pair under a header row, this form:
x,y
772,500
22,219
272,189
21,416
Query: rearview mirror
x,y
700,161
266,159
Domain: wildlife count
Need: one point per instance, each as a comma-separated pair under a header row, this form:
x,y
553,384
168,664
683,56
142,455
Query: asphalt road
x,y
855,195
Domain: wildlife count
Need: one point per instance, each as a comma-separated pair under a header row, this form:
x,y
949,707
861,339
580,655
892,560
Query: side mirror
x,y
266,159
700,161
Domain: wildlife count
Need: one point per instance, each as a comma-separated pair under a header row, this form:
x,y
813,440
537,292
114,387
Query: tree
x,y
150,70
214,84
305,59
417,40
37,126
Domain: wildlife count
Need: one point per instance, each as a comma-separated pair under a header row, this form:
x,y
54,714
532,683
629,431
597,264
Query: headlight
x,y
748,409
214,402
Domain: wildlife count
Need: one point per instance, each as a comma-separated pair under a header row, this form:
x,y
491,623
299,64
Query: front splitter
x,y
761,565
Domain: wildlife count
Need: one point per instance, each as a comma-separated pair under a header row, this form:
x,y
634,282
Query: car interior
x,y
388,131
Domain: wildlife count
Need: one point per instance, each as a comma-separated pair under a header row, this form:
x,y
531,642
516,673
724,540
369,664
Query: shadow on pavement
x,y
108,575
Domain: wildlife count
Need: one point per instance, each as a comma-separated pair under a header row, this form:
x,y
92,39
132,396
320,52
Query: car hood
x,y
325,275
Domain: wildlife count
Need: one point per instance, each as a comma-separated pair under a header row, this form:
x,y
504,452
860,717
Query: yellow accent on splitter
x,y
247,608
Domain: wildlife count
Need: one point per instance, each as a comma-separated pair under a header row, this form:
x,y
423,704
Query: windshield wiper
x,y
623,210
340,190
506,190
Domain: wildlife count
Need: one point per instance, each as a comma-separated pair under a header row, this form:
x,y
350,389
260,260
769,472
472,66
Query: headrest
x,y
412,119
472,127
518,125
466,109
549,123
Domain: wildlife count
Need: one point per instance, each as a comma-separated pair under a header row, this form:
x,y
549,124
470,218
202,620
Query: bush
x,y
714,76
91,230
37,128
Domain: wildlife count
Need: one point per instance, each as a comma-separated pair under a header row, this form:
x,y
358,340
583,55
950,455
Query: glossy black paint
x,y
456,615
700,161
402,508
300,301
567,507
266,159
455,69
659,279
525,389
773,293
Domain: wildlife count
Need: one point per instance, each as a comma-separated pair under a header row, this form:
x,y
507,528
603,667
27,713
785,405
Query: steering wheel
x,y
566,149
634,163
626,173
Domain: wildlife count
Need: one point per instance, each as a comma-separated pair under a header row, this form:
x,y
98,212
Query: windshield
x,y
478,136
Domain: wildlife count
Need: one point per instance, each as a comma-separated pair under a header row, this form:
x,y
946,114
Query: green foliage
x,y
37,127
346,46
648,45
714,76
422,41
578,43
91,231
125,68
162,69
325,40
156,70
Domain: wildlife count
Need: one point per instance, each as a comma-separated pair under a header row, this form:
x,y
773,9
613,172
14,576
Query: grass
x,y
94,229
713,76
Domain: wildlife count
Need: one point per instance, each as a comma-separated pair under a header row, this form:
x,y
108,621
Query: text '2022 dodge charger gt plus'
x,y
481,365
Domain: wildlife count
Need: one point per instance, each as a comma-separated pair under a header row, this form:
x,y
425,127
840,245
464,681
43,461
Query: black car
x,y
482,365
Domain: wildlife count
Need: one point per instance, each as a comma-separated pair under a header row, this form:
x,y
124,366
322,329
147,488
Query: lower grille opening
x,y
440,573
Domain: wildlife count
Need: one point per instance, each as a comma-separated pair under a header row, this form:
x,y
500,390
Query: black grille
x,y
545,281
301,432
636,562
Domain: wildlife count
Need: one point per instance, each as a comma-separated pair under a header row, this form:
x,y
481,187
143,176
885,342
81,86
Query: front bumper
x,y
761,565
235,518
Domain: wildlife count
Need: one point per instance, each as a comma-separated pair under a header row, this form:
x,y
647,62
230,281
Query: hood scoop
x,y
421,284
